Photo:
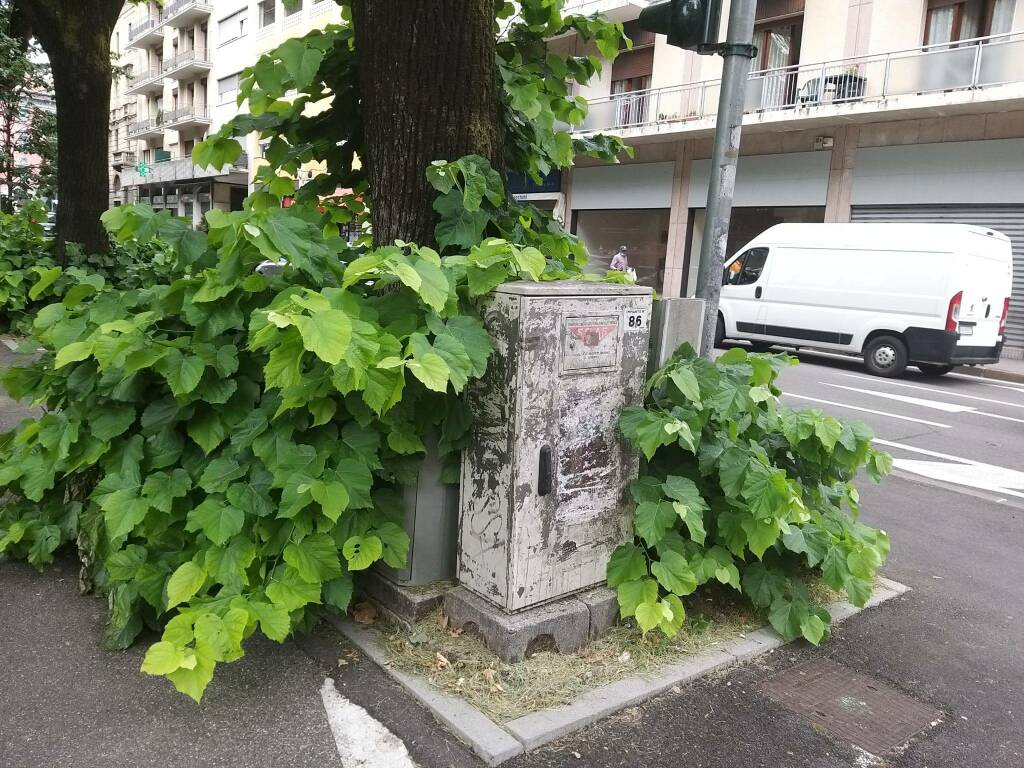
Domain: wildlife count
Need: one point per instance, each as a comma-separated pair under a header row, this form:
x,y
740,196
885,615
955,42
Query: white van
x,y
930,295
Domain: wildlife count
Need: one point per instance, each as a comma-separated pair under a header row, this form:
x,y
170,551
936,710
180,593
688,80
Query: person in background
x,y
619,260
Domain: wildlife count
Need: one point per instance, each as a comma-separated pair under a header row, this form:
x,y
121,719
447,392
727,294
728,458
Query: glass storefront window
x,y
643,232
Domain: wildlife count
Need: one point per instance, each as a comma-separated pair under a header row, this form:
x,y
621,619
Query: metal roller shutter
x,y
1008,219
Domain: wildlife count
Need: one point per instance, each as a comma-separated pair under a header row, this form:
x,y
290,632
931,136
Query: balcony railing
x,y
145,77
181,169
967,65
198,56
178,7
149,125
190,113
138,29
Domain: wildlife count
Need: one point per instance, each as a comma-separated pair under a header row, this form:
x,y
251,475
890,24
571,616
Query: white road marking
x,y
947,407
920,401
936,390
869,410
362,742
985,477
924,451
959,470
988,382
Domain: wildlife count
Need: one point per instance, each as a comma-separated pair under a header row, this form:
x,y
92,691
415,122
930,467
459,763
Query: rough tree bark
x,y
429,92
76,37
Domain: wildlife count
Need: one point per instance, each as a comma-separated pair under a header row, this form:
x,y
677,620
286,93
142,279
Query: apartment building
x,y
857,110
184,60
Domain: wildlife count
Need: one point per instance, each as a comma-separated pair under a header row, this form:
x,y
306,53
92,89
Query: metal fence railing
x,y
969,64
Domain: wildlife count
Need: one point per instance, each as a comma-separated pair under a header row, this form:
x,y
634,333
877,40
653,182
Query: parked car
x,y
930,295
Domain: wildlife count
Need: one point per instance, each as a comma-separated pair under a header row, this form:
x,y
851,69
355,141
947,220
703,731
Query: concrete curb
x,y
496,743
995,373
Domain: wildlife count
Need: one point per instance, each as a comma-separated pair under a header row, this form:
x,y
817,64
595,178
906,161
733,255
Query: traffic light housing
x,y
691,24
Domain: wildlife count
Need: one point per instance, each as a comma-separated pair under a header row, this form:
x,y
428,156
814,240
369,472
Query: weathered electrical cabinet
x,y
544,491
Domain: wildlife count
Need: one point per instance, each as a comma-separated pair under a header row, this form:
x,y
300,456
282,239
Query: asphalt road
x,y
955,513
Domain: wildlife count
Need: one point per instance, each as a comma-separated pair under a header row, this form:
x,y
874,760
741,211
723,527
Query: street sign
x,y
143,169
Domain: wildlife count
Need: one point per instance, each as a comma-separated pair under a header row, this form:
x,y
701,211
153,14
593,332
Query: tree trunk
x,y
76,36
429,92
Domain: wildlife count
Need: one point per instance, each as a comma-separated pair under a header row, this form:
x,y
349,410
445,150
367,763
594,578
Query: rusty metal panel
x,y
853,707
545,482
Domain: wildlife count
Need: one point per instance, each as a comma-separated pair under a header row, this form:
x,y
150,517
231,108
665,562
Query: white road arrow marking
x,y
868,410
960,471
936,390
947,407
362,741
920,401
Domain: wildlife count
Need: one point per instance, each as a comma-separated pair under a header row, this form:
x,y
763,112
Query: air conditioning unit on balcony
x,y
171,200
204,197
188,199
158,199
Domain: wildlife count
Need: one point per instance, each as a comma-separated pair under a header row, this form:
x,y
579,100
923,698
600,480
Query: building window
x,y
292,9
232,27
267,10
998,19
227,89
950,21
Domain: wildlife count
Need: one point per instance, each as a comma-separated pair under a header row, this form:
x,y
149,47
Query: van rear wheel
x,y
885,356
932,369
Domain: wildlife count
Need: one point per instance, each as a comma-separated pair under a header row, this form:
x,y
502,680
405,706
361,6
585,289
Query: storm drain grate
x,y
850,706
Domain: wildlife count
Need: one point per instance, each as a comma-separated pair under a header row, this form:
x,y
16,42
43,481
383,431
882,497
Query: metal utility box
x,y
673,322
544,489
431,520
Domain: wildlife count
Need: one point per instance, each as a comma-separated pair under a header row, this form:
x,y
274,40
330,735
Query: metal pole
x,y
732,92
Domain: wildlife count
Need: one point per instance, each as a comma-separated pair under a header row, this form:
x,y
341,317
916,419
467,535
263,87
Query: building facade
x,y
183,63
857,110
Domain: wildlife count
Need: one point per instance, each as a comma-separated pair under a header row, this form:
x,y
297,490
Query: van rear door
x,y
986,278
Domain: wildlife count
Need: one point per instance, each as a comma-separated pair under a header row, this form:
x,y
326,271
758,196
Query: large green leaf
x,y
674,574
184,583
326,334
627,563
216,518
315,558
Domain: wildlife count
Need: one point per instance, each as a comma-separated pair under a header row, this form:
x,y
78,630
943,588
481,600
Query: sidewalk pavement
x,y
1006,369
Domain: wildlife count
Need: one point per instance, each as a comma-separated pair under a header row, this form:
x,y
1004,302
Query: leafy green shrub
x,y
227,448
25,259
742,490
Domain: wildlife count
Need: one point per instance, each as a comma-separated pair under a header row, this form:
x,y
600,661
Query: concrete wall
x,y
799,178
896,25
637,185
825,30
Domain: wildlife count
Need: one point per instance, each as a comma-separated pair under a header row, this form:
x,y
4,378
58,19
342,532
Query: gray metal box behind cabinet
x,y
544,490
431,519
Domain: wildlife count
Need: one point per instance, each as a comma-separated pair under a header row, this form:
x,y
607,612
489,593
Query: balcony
x,y
181,169
121,158
150,81
150,128
180,13
188,64
935,78
143,34
616,10
192,116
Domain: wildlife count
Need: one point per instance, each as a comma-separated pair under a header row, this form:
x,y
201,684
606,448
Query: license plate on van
x,y
966,330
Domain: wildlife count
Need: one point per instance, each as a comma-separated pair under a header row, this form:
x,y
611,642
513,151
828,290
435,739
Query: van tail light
x,y
953,313
1002,317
